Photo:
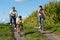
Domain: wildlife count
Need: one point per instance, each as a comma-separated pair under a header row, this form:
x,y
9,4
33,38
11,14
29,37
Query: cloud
x,y
19,0
2,20
24,17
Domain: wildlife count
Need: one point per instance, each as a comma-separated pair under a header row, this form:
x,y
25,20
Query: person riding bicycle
x,y
13,16
41,16
20,23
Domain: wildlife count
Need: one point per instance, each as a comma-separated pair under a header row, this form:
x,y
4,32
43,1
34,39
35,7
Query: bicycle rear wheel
x,y
42,24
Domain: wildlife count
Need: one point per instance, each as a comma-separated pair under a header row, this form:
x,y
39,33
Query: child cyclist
x,y
19,24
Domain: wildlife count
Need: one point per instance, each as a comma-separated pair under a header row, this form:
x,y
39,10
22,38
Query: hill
x,y
52,19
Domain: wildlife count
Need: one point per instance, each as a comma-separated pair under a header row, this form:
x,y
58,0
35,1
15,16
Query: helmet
x,y
40,6
13,7
20,16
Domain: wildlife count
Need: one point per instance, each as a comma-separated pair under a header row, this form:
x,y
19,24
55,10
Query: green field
x,y
6,32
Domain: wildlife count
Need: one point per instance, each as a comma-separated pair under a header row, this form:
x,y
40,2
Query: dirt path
x,y
49,35
18,36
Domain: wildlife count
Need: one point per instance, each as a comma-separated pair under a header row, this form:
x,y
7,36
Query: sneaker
x,y
10,23
15,28
39,27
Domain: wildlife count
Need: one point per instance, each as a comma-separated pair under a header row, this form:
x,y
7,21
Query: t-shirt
x,y
40,11
13,13
19,21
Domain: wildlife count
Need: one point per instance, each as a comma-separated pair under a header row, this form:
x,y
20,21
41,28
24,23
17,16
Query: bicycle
x,y
13,25
19,28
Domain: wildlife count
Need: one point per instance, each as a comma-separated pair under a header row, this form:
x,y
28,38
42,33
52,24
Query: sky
x,y
23,7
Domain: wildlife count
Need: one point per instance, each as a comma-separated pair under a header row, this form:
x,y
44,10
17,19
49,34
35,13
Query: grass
x,y
32,34
54,28
6,32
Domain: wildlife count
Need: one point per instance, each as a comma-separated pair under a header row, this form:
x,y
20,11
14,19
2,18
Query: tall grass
x,y
54,28
6,32
52,17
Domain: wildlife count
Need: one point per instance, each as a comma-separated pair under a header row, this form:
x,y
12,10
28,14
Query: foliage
x,y
6,32
52,11
32,20
52,20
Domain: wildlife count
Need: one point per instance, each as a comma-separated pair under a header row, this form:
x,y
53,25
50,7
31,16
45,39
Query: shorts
x,y
20,25
40,19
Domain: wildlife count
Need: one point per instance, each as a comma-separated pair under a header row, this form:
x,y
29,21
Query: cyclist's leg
x,y
10,20
18,28
22,26
39,20
15,22
42,23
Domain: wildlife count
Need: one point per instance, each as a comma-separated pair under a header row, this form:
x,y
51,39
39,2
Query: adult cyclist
x,y
13,15
41,17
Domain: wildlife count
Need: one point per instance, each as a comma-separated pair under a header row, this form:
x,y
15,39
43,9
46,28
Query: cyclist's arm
x,y
22,22
10,14
16,14
17,21
43,12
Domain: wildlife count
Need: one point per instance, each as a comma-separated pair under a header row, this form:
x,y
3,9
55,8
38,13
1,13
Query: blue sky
x,y
23,7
